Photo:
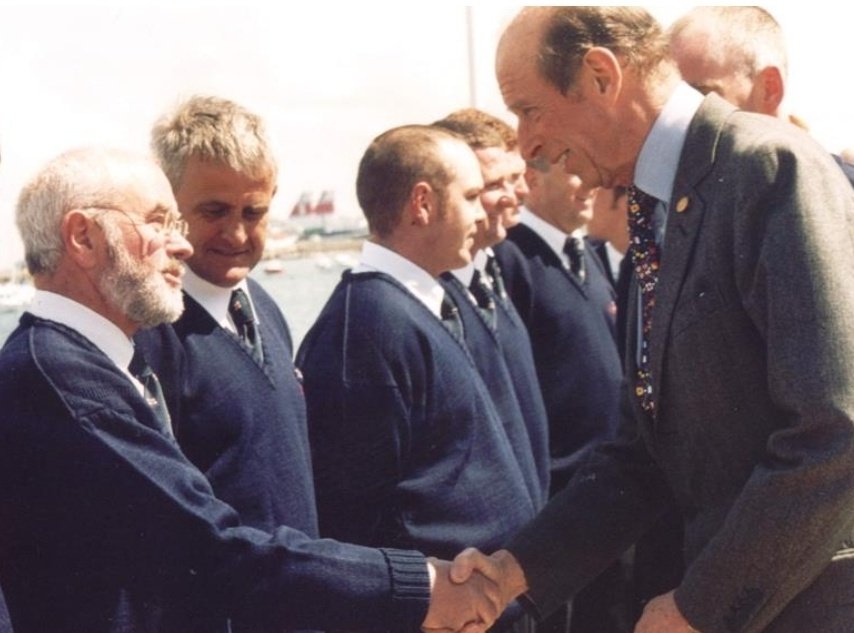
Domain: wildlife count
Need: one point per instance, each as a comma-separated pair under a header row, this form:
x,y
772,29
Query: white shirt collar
x,y
658,160
551,235
102,332
418,281
465,273
615,258
214,299
478,263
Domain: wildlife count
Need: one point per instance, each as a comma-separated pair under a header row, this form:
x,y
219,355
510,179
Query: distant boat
x,y
326,204
303,206
323,262
274,266
323,218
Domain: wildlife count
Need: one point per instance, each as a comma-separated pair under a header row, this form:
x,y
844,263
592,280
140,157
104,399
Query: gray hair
x,y
748,36
77,179
570,31
212,129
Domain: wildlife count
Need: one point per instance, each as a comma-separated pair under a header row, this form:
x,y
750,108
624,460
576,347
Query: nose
x,y
235,231
530,145
521,188
479,213
508,198
178,247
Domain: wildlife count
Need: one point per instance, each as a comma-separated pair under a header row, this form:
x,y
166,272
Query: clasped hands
x,y
469,594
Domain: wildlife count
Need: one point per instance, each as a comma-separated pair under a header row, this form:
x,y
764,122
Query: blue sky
x,y
326,78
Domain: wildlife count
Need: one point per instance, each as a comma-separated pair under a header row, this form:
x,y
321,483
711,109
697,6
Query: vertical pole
x,y
471,59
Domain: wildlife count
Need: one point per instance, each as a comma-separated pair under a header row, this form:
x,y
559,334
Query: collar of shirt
x,y
478,262
658,160
102,332
615,258
214,299
551,235
465,273
377,258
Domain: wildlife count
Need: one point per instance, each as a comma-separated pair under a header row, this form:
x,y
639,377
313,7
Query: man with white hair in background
x,y
740,53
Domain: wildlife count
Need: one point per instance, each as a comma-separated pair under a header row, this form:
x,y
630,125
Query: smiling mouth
x,y
229,254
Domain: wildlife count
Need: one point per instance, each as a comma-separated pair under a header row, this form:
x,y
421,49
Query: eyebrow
x,y
159,209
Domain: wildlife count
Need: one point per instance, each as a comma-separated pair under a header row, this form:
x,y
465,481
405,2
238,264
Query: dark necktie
x,y
646,259
483,295
152,392
451,316
574,249
244,321
493,272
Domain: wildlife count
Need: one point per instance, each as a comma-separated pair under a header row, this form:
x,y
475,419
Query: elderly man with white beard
x,y
105,526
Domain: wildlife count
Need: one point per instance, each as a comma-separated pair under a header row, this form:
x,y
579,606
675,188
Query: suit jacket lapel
x,y
684,219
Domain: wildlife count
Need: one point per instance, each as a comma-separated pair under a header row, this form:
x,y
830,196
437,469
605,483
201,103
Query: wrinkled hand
x,y
661,615
501,568
471,605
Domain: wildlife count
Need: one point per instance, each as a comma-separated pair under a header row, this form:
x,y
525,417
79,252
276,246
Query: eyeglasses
x,y
169,224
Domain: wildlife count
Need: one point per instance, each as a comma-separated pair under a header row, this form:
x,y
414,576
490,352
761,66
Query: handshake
x,y
470,593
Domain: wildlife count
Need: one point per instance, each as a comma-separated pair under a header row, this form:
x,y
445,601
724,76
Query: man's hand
x,y
661,615
501,568
471,605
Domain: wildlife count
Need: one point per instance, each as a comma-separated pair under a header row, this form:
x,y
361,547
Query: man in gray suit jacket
x,y
742,409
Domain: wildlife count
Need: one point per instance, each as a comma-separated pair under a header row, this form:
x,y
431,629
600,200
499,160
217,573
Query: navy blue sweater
x,y
105,526
241,424
406,442
573,337
493,361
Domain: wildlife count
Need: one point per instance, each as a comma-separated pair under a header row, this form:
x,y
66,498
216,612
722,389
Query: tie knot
x,y
573,245
240,308
640,202
138,366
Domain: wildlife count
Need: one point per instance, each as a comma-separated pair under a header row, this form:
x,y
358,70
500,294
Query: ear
x,y
422,204
600,73
81,238
768,90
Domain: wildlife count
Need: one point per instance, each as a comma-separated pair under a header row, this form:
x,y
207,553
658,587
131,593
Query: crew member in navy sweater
x,y
494,333
408,448
236,403
105,526
560,290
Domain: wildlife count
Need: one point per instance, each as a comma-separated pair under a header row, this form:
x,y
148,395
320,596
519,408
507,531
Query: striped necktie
x,y
152,391
574,249
243,316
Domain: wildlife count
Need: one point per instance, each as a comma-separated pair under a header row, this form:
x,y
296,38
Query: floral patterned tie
x,y
645,257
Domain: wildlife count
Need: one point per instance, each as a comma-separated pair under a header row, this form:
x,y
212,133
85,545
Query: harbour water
x,y
301,289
